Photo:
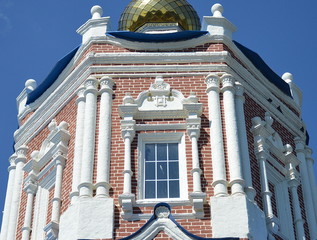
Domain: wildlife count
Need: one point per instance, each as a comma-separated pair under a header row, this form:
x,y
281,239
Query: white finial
x,y
287,77
96,12
217,10
30,84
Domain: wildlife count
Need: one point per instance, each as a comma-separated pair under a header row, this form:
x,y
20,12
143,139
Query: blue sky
x,y
35,34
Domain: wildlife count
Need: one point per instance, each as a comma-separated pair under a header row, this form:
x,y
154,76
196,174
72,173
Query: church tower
x,y
164,129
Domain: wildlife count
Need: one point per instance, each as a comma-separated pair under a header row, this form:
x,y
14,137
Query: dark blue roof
x,y
51,77
166,37
264,69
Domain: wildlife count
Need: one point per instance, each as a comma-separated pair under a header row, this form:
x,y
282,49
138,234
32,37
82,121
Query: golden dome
x,y
140,12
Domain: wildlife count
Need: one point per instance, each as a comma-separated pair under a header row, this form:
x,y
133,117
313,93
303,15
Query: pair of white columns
x,y
233,119
13,211
311,174
307,177
85,139
8,200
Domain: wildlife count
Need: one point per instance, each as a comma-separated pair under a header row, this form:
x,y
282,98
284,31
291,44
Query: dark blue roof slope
x,y
166,37
264,69
51,77
154,217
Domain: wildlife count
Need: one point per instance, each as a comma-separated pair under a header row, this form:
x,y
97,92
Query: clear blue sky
x,y
35,34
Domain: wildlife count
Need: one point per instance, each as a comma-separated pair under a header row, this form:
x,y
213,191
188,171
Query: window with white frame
x,y
162,166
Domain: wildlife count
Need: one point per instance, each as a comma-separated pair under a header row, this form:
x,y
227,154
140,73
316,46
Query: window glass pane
x,y
174,189
161,170
161,151
149,189
173,151
162,189
150,171
149,152
173,170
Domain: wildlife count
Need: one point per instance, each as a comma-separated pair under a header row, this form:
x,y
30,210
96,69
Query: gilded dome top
x,y
141,12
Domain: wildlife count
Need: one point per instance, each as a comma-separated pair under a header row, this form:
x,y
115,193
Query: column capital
x,y
128,129
91,85
193,127
12,162
309,153
30,187
239,91
81,94
261,153
228,83
212,81
21,154
294,182
59,159
106,84
299,144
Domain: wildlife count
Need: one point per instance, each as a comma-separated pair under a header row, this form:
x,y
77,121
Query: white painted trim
x,y
310,168
78,148
86,188
40,212
283,204
104,142
220,182
232,138
35,122
147,127
308,199
16,194
8,199
243,141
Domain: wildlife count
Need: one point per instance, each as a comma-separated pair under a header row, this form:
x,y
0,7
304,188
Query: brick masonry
x,y
135,85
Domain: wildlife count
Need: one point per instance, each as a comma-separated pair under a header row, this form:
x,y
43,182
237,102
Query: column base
x,y
88,218
242,218
126,202
198,200
51,230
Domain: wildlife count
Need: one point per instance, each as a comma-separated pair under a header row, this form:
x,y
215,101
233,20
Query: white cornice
x,y
64,88
259,76
260,94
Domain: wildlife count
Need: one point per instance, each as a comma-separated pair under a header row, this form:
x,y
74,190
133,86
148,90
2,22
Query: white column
x,y
78,150
52,229
193,130
30,189
128,133
244,148
7,204
104,140
216,139
86,187
56,203
310,168
308,199
233,151
16,195
265,191
298,221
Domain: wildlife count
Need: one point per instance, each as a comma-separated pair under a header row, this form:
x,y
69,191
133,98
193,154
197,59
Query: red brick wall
x,y
253,109
185,85
135,85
